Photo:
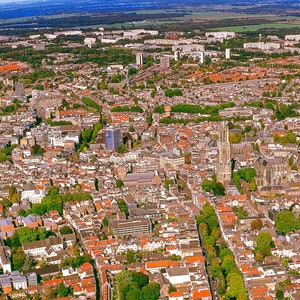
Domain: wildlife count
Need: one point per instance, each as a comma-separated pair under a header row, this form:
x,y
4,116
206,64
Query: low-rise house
x,y
178,276
46,248
7,227
31,193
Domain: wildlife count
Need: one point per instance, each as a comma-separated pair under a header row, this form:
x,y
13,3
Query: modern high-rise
x,y
224,158
201,57
139,58
112,138
227,53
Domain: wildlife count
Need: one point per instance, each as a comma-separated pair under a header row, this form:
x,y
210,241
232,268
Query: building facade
x,y
112,138
272,171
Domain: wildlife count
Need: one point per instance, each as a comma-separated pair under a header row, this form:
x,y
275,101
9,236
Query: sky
x,y
10,1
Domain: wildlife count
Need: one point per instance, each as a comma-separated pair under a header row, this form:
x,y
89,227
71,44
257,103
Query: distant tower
x,y
224,159
112,138
176,55
57,114
165,62
122,172
201,57
168,110
227,53
139,59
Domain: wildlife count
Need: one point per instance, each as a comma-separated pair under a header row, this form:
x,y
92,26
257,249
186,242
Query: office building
x,y
112,138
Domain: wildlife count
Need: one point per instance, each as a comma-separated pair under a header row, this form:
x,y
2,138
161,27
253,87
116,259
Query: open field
x,y
257,27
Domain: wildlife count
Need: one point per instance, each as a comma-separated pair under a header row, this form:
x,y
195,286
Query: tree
x,y
122,149
140,279
28,264
168,183
63,291
132,71
130,257
279,295
6,203
228,265
131,128
264,243
123,207
105,222
247,174
96,183
123,279
18,259
212,222
285,262
236,288
252,185
256,224
151,291
218,189
235,138
37,150
65,230
297,226
27,234
207,185
119,184
134,293
208,211
285,222
226,253
172,289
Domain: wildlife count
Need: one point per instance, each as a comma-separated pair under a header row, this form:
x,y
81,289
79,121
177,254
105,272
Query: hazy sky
x,y
9,1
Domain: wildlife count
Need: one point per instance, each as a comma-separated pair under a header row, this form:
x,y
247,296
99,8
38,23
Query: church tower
x,y
224,158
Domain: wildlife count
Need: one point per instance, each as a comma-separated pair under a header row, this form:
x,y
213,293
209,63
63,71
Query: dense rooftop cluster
x,y
112,147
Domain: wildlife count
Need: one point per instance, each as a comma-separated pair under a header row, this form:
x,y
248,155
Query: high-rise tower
x,y
224,158
112,138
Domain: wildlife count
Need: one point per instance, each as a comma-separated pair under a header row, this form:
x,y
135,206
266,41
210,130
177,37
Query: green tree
x,y
151,291
228,265
247,174
235,138
264,243
131,128
18,259
134,293
63,291
123,207
132,71
279,295
285,222
6,203
119,184
226,253
140,279
252,186
96,183
105,222
122,149
130,257
218,189
236,288
65,230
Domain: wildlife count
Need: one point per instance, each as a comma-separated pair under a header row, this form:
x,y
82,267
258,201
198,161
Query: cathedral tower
x,y
224,158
